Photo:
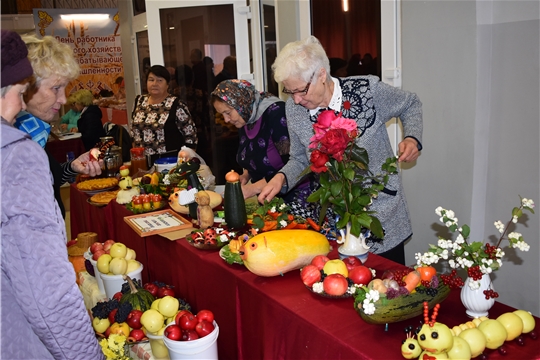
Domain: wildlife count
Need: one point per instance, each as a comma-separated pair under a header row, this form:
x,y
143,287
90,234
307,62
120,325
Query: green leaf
x,y
348,173
517,212
316,195
355,226
360,155
258,222
465,231
343,221
323,179
306,171
335,188
376,227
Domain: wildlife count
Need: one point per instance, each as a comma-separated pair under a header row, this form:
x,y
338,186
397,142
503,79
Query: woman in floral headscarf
x,y
262,130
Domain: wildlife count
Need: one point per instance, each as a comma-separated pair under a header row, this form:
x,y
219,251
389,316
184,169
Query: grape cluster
x,y
123,312
323,275
103,308
184,305
491,294
350,282
475,273
491,250
452,280
427,290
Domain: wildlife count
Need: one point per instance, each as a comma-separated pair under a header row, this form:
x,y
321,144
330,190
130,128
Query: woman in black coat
x,y
89,124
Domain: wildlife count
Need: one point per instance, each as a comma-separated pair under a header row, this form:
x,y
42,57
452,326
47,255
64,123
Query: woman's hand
x,y
63,127
74,130
272,188
244,179
83,165
253,189
408,150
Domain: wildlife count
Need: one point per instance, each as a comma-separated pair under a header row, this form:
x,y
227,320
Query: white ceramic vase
x,y
353,245
475,301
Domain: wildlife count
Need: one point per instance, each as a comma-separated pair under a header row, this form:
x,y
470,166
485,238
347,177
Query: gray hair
x,y
300,59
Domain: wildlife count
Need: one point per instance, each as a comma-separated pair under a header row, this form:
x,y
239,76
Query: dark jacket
x,y
90,126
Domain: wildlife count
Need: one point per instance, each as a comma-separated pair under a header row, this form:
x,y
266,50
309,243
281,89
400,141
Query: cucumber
x,y
401,308
234,204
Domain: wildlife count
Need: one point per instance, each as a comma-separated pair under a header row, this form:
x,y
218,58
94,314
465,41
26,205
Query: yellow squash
x,y
275,252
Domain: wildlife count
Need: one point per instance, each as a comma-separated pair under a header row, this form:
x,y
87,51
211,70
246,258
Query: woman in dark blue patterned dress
x,y
262,129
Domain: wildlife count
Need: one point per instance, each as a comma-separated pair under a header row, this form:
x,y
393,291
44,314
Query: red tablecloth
x,y
277,317
59,148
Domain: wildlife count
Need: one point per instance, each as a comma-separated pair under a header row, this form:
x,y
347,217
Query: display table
x,y
277,317
59,148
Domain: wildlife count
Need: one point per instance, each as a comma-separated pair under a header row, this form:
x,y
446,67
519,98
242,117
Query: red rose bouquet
x,y
346,184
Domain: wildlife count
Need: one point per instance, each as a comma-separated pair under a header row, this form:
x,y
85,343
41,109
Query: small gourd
x,y
139,298
234,205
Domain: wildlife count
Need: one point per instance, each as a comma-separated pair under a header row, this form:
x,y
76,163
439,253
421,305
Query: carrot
x,y
274,215
411,280
290,217
269,225
313,224
249,221
301,226
291,225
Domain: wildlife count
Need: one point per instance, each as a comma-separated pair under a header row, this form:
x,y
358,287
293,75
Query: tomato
x,y
205,315
204,328
188,322
426,272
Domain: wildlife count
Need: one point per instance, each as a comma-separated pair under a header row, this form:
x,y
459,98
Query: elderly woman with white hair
x,y
54,67
304,70
42,314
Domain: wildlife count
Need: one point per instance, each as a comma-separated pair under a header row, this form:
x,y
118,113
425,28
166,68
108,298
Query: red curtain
x,y
345,34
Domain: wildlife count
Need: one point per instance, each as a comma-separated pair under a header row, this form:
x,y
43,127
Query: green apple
x,y
494,332
476,340
528,320
100,325
168,306
435,339
410,349
336,266
513,325
118,250
103,263
152,320
461,349
118,265
132,265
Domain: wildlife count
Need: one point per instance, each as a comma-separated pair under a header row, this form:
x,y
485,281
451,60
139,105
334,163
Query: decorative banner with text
x,y
95,43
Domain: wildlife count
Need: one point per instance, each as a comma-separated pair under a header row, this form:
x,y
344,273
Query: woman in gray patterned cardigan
x,y
304,70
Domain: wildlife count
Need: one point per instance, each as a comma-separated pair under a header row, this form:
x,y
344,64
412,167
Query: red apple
x,y
360,275
188,335
152,288
205,315
335,284
204,328
173,332
97,254
137,334
107,245
118,295
134,319
111,315
310,274
165,291
351,262
319,261
179,315
95,247
188,322
107,332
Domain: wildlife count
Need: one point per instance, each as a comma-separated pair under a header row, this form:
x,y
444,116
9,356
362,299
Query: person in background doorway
x,y
42,314
228,72
70,119
338,67
89,125
304,70
54,67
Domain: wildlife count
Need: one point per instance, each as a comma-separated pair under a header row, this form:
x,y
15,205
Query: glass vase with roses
x,y
346,183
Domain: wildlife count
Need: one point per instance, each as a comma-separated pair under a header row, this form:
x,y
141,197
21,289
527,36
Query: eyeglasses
x,y
302,92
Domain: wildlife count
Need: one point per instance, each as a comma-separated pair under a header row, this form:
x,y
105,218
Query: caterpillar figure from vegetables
x,y
276,252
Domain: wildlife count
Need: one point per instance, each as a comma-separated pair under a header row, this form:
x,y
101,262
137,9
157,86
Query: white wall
x,y
475,66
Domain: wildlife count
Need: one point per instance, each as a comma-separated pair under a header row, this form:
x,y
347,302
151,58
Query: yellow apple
x,y
100,325
461,349
431,356
457,330
494,332
476,340
152,320
118,266
513,325
336,266
477,321
118,250
155,304
132,265
130,254
103,263
435,339
528,320
410,349
168,306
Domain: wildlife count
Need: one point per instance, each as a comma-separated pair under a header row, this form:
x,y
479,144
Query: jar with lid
x,y
138,160
112,156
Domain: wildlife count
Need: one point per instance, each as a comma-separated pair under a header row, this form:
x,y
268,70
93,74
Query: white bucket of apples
x,y
112,260
192,336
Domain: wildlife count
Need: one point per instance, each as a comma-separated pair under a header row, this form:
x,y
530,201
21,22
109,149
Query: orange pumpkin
x,y
426,272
